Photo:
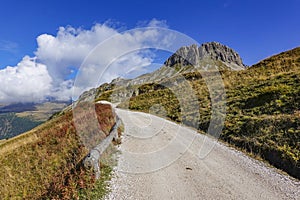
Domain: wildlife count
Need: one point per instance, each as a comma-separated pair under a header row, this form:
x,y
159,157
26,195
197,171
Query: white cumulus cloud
x,y
49,73
26,82
69,48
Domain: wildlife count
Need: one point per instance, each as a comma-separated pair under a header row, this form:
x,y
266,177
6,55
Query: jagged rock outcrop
x,y
194,55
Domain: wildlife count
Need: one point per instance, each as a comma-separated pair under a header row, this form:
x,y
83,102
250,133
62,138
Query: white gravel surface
x,y
163,160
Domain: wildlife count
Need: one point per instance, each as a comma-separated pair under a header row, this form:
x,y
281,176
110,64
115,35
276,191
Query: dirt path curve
x,y
160,160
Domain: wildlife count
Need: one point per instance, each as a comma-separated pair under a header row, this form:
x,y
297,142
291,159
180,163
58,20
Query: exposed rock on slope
x,y
194,55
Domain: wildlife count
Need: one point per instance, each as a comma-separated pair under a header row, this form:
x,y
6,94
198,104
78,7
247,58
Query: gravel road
x,y
163,160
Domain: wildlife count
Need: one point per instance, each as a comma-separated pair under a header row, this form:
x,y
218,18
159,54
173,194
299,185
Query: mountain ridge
x,y
214,56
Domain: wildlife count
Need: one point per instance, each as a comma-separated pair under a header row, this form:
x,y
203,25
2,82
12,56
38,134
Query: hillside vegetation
x,y
263,112
263,115
46,162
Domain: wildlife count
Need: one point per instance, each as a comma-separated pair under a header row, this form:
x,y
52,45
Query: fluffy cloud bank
x,y
51,72
69,48
28,81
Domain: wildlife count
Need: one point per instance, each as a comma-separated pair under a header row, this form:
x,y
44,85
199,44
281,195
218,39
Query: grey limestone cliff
x,y
213,51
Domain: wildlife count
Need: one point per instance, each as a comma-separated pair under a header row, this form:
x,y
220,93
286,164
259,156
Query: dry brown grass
x,y
46,162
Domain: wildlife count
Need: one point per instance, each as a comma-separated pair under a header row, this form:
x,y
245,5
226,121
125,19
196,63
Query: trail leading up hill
x,y
159,160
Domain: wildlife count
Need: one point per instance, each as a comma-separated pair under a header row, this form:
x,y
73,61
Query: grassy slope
x,y
45,163
263,112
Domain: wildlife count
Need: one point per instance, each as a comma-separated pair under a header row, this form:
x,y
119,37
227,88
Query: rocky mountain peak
x,y
194,55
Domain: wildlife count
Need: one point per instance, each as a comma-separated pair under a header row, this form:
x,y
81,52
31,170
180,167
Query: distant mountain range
x,y
17,107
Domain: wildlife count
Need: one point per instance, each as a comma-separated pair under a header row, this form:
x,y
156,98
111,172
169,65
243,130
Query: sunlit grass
x,y
46,163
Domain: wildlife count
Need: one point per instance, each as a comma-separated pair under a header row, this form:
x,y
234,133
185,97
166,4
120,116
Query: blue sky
x,y
255,29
